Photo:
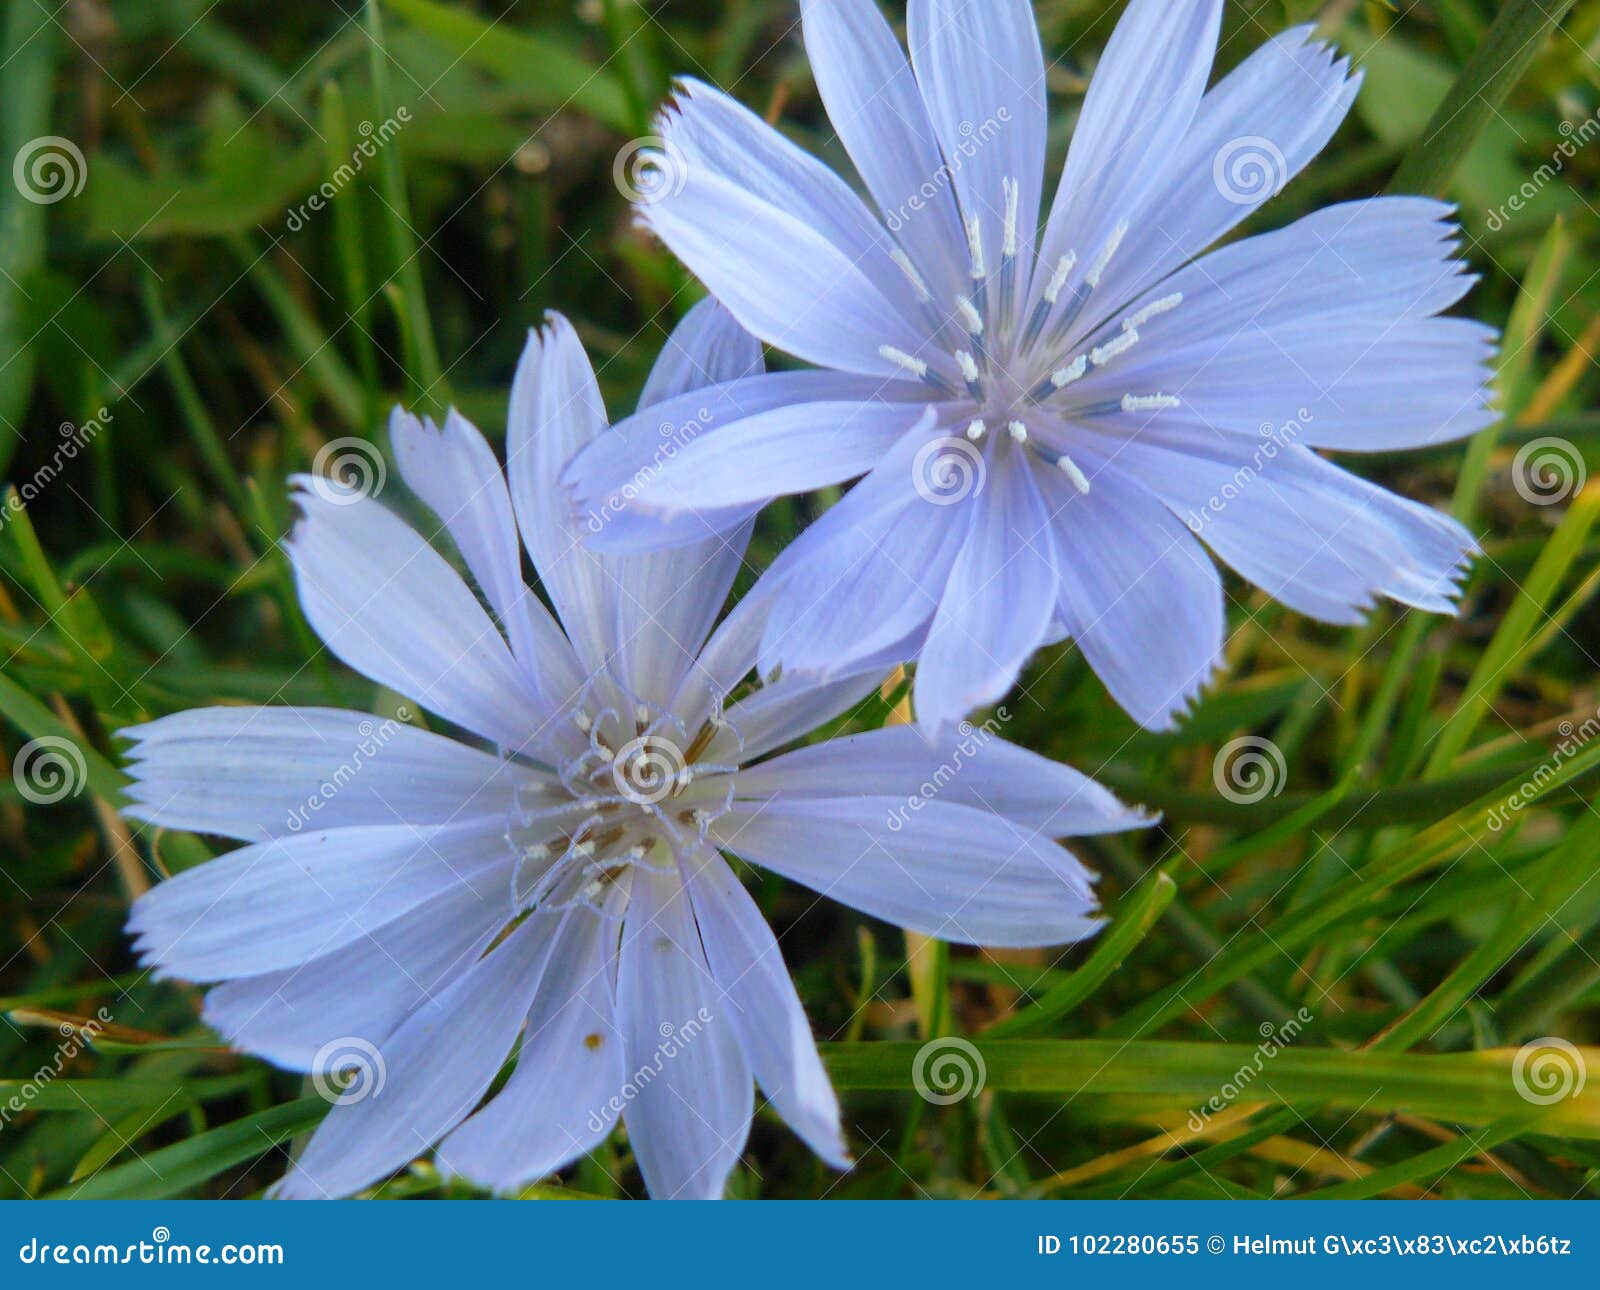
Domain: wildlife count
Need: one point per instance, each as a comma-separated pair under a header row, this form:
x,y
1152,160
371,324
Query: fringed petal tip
x,y
1185,704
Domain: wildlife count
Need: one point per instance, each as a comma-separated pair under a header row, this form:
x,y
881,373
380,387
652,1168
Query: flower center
x,y
1021,376
632,787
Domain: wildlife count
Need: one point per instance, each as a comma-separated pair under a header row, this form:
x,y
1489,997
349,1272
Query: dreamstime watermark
x,y
649,169
1549,1070
1546,472
1274,1039
948,1070
1249,769
374,738
75,1037
1275,439
160,1250
674,1040
1249,170
948,470
49,769
1573,738
372,139
348,470
1575,137
675,436
970,744
74,439
974,138
348,1070
49,168
649,769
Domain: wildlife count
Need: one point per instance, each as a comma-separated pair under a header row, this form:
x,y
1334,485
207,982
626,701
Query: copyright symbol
x,y
1216,1245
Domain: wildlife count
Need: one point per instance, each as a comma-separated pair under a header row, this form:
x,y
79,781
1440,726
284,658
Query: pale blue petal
x,y
1255,131
965,766
1142,98
667,600
947,871
981,70
1325,325
784,709
434,1069
565,1094
705,130
455,473
877,111
785,450
782,278
1312,535
362,991
869,574
728,657
389,605
1142,600
556,411
760,1002
275,905
707,348
690,1095
605,481
999,601
255,773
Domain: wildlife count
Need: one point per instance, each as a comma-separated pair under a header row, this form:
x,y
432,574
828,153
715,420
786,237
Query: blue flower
x,y
414,908
1103,402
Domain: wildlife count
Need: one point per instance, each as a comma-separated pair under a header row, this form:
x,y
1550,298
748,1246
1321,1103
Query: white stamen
x,y
583,849
1103,354
1073,371
971,319
605,752
1098,268
975,248
583,721
910,270
1013,194
1019,432
968,366
700,816
536,852
910,362
686,777
1153,310
1069,468
641,714
634,853
1150,402
1058,280
977,430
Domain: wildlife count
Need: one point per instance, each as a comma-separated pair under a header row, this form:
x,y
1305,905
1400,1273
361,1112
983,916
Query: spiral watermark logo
x,y
649,170
1549,1070
1249,769
161,1235
49,769
947,471
48,169
1249,170
345,471
646,770
1548,471
948,1070
348,1070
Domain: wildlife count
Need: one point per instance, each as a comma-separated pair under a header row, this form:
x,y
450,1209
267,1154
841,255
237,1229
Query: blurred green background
x,y
1376,931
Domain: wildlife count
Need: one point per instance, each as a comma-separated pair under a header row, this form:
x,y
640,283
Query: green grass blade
x,y
1498,63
